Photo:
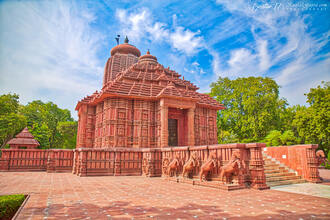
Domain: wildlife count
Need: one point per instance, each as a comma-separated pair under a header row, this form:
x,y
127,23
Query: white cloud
x,y
141,25
186,41
294,50
49,52
296,80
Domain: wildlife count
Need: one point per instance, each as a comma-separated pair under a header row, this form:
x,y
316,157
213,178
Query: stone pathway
x,y
311,189
66,196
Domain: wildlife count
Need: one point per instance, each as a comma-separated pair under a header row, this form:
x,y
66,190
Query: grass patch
x,y
9,205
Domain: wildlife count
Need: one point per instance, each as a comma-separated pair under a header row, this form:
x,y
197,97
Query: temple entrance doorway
x,y
172,132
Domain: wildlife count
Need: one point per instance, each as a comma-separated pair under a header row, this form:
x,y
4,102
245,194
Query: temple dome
x,y
148,57
125,48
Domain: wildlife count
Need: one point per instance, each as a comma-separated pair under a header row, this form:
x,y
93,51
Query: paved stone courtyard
x,y
66,196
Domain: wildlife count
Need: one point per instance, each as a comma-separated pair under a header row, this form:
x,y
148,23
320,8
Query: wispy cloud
x,y
49,51
282,40
141,24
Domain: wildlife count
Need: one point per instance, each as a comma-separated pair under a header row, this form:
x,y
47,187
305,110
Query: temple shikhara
x,y
148,120
142,104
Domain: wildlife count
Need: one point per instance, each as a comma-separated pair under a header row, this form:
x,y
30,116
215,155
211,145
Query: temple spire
x,y
126,40
117,39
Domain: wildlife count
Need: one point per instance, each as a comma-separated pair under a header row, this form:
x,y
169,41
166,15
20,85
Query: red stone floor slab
x,y
66,196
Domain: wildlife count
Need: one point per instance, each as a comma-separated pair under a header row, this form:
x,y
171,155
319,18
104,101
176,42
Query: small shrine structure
x,y
23,140
142,104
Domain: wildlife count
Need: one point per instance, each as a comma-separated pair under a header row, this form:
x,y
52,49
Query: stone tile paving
x,y
307,189
66,196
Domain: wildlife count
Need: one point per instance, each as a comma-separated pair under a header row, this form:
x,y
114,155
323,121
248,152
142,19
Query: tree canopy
x,y
255,113
52,126
11,121
253,108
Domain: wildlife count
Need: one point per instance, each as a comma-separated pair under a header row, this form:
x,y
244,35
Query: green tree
x,y
288,138
312,123
11,122
253,108
43,119
68,131
273,138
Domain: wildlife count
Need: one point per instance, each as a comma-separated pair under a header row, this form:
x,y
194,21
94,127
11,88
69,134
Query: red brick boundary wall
x,y
138,161
108,162
53,160
301,158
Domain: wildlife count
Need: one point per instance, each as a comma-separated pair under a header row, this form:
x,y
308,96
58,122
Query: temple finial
x,y
148,52
117,39
126,40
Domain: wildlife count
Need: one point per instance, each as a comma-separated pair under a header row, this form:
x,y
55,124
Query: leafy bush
x,y
9,205
288,138
273,138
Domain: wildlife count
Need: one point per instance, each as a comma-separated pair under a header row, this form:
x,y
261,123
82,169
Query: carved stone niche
x,y
208,166
146,167
234,167
190,165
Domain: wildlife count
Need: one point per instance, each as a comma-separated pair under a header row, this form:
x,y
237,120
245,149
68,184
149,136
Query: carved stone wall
x,y
53,160
120,123
205,126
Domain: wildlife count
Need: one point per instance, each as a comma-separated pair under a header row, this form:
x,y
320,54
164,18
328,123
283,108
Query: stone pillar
x,y
191,129
51,162
164,125
311,172
83,163
117,163
82,123
257,172
74,163
151,162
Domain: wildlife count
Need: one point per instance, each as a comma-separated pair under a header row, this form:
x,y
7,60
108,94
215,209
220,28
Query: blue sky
x,y
56,50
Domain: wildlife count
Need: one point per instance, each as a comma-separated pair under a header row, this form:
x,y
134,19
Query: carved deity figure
x,y
232,167
190,165
320,156
145,167
208,166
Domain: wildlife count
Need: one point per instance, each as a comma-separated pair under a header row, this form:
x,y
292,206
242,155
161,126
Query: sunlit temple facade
x,y
142,104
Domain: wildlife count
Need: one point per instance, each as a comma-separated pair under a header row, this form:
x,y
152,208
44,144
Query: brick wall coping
x,y
251,145
313,146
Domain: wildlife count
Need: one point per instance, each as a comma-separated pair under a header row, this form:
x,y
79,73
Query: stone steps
x,y
278,174
285,182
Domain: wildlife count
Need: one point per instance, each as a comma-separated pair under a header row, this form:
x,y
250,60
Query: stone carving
x,y
173,166
320,156
165,164
208,166
232,167
190,165
145,167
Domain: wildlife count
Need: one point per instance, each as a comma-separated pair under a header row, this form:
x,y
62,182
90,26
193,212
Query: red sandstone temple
x,y
23,140
144,105
142,111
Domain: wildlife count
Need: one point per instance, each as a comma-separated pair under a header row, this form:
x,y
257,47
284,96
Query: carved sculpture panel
x,y
233,167
189,166
208,166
